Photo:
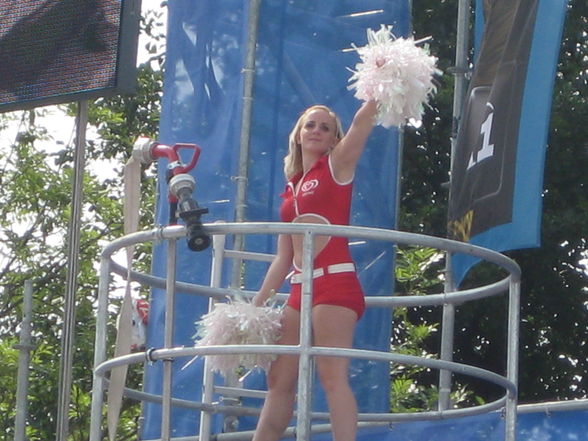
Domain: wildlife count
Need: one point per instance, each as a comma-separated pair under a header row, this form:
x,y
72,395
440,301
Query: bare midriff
x,y
320,242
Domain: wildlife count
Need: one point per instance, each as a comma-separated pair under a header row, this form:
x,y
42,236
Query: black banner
x,y
483,171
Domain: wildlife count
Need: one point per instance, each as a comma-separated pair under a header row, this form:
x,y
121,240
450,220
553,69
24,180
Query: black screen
x,y
55,51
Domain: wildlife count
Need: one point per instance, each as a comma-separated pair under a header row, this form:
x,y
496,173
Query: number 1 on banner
x,y
487,149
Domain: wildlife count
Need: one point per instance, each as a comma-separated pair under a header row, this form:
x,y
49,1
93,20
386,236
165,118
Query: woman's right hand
x,y
260,299
257,300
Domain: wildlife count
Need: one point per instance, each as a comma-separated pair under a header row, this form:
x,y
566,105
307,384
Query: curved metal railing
x,y
305,350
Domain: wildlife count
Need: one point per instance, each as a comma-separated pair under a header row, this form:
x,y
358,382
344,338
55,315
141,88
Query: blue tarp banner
x,y
302,59
549,425
497,174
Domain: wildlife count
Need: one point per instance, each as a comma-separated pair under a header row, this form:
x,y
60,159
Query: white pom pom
x,y
397,74
239,323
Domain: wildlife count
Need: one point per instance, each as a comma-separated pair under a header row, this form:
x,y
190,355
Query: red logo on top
x,y
309,185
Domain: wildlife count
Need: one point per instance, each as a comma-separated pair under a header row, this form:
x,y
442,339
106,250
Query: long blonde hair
x,y
293,160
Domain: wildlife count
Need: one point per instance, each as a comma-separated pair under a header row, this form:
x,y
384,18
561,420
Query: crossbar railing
x,y
305,350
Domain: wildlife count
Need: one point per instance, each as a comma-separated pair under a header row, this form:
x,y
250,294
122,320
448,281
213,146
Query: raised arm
x,y
347,152
277,271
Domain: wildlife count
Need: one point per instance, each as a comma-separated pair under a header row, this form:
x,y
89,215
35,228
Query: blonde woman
x,y
319,168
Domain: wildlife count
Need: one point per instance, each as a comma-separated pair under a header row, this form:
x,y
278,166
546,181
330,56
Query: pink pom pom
x,y
239,323
397,74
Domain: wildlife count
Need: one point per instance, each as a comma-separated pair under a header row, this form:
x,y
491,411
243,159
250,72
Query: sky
x,y
147,5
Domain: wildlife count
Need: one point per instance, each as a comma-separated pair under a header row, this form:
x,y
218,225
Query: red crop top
x,y
321,195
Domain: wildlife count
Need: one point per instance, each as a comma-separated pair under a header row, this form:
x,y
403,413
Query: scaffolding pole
x,y
24,356
460,71
69,316
242,175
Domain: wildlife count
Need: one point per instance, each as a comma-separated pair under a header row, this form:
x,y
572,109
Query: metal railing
x,y
509,284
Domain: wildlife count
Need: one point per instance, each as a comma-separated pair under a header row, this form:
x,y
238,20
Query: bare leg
x,y
333,326
282,378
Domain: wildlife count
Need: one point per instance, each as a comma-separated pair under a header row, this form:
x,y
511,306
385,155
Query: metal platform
x,y
309,424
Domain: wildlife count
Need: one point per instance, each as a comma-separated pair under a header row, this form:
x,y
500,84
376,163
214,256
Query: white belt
x,y
331,269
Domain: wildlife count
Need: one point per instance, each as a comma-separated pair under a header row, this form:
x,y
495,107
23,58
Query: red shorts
x,y
340,289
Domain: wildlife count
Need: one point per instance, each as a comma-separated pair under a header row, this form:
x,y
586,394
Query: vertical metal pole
x,y
170,292
100,350
398,180
24,356
461,68
447,331
248,81
218,249
305,361
459,72
514,312
67,339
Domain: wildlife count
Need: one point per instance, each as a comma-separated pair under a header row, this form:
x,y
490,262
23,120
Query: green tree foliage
x,y
8,369
419,271
427,149
410,389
